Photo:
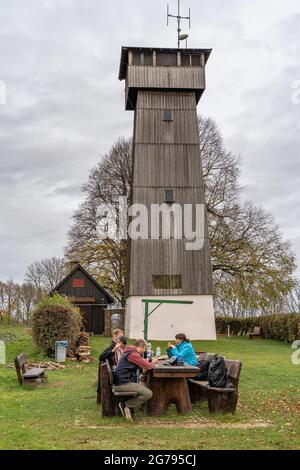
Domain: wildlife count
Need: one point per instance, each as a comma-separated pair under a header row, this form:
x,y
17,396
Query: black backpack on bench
x,y
217,373
204,368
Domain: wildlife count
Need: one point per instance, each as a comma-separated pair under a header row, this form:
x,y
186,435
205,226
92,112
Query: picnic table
x,y
169,386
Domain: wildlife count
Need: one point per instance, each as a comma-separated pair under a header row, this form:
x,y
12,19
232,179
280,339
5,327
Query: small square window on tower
x,y
168,115
169,196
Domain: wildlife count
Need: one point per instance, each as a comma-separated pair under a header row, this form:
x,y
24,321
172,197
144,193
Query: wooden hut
x,y
86,294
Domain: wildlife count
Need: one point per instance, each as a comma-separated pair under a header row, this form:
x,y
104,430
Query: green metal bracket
x,y
159,302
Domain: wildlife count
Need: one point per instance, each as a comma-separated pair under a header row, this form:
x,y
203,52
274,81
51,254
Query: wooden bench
x,y
110,399
197,388
255,333
33,377
220,400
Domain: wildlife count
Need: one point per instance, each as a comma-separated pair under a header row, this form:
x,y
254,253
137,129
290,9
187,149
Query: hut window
x,y
168,115
78,283
169,196
167,281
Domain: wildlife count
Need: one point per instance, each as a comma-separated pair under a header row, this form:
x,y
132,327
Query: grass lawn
x,y
64,415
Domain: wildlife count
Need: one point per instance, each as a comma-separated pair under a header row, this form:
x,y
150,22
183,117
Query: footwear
x,y
128,414
122,408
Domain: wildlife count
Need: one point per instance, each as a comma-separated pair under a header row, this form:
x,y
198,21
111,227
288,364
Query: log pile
x,y
83,350
45,365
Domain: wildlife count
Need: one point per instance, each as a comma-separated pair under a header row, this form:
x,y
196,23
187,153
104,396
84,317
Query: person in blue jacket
x,y
183,349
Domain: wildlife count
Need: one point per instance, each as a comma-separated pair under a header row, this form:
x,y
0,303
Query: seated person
x,y
126,378
111,355
109,352
183,349
120,350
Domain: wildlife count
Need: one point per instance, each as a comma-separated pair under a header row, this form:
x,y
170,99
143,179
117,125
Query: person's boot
x,y
128,413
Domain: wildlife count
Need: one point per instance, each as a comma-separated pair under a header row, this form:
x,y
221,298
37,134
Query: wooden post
x,y
146,321
154,58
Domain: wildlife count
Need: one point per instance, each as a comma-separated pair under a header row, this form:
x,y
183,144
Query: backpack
x,y
217,373
204,367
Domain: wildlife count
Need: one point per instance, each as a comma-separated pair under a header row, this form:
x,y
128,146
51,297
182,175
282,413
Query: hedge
x,y
55,319
279,327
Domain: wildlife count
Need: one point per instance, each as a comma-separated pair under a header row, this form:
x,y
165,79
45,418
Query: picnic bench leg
x,y
108,400
222,402
159,403
99,385
178,393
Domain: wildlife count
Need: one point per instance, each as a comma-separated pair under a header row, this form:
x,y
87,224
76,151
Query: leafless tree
x,y
45,274
248,253
292,300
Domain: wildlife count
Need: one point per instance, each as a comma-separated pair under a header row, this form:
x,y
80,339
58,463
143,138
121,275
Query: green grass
x,y
63,414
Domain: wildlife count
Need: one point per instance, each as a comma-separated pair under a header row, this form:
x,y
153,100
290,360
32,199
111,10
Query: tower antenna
x,y
179,18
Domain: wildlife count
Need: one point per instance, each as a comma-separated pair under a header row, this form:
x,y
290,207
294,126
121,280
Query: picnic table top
x,y
167,371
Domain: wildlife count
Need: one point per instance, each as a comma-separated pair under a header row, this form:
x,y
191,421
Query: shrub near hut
x,y
55,319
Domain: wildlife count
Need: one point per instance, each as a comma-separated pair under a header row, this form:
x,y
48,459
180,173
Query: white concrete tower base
x,y
197,320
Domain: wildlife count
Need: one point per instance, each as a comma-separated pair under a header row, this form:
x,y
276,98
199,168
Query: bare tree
x,y
292,300
248,253
29,295
45,274
106,259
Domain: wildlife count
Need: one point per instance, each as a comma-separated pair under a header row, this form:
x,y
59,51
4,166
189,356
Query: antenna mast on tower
x,y
179,18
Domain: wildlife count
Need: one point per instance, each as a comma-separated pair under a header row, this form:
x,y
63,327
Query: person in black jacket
x,y
109,354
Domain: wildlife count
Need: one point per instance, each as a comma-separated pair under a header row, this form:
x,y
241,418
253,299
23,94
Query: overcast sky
x,y
59,60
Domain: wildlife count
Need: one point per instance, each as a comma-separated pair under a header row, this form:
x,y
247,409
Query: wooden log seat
x,y
198,390
220,400
110,399
33,377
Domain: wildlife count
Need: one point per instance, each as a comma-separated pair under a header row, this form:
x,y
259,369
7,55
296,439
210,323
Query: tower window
x,y
196,60
166,60
167,282
168,115
185,60
169,196
136,58
148,58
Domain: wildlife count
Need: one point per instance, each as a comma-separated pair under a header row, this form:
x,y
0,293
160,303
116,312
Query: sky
x,y
65,106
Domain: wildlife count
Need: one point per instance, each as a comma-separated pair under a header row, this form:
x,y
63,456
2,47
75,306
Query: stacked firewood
x,y
45,365
83,351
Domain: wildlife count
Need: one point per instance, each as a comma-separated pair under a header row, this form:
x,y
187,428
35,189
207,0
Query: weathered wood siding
x,y
166,77
167,156
162,78
89,290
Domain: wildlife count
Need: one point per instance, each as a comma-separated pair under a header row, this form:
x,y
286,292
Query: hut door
x,y
87,317
97,320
